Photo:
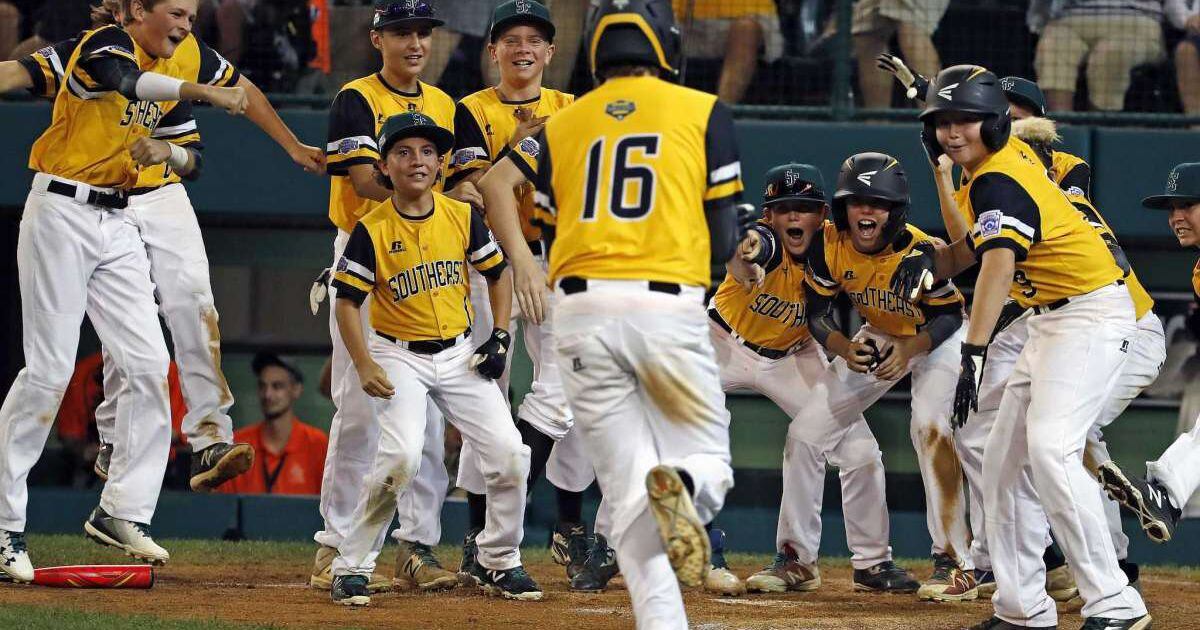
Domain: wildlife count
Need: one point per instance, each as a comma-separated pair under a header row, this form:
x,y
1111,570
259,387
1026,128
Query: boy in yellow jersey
x,y
1159,498
79,253
638,181
166,222
488,124
402,33
410,254
760,333
1035,247
856,255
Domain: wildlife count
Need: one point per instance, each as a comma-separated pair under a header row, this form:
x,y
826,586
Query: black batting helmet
x,y
873,176
633,32
972,90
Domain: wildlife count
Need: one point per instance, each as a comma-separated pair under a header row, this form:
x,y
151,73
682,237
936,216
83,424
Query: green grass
x,y
45,618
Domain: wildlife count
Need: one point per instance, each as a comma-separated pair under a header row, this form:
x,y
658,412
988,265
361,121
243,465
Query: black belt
x,y
425,346
574,284
536,247
1057,304
144,189
116,201
766,353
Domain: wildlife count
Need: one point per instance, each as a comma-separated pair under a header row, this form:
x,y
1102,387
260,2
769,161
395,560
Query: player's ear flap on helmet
x,y
972,90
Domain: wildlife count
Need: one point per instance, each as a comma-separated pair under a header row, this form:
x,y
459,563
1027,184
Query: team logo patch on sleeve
x,y
1075,190
348,145
989,223
343,264
529,147
462,157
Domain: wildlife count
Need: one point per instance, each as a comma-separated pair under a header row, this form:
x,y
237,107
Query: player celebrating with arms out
x,y
409,253
78,253
1035,247
856,255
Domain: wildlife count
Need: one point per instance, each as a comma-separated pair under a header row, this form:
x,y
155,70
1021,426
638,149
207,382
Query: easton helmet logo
x,y
865,178
945,92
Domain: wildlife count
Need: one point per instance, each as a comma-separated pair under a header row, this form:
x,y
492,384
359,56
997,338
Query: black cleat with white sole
x,y
350,590
512,583
132,538
219,463
1147,500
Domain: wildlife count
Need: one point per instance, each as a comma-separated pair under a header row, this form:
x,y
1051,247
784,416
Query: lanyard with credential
x,y
269,478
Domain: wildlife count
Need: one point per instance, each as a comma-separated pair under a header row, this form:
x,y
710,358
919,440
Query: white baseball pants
x,y
1063,378
788,382
74,258
642,381
479,411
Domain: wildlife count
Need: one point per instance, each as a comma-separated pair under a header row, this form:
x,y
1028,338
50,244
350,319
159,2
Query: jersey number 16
x,y
621,176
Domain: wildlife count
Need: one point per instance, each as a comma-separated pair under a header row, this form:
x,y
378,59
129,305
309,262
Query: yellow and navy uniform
x,y
1142,302
1009,202
484,125
92,128
355,119
771,315
834,266
641,160
1071,173
414,268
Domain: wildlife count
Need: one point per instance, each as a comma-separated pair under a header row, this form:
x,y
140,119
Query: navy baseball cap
x,y
521,12
414,124
409,12
1025,93
1183,183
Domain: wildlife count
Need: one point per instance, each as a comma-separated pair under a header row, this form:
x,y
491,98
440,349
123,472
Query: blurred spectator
x,y
913,22
289,454
77,413
53,21
569,17
1112,38
736,30
270,41
1185,15
10,28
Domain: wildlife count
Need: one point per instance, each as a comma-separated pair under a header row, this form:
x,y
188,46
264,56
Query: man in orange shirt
x,y
290,454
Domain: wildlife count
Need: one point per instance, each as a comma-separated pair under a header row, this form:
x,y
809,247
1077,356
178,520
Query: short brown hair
x,y
110,11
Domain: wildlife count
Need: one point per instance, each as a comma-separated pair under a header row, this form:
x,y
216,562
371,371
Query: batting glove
x,y
491,358
747,216
320,288
914,274
966,394
914,84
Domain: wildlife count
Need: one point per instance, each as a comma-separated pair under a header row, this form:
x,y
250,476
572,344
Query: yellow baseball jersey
x,y
1010,202
355,119
1142,302
772,314
414,268
834,266
640,160
484,126
1071,173
92,129
710,9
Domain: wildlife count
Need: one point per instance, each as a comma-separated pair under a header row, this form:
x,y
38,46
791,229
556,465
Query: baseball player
x,y
488,124
1158,499
410,254
79,253
759,329
178,264
856,255
402,33
1034,246
634,232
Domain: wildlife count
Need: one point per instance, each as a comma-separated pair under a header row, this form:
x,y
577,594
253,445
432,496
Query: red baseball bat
x,y
96,576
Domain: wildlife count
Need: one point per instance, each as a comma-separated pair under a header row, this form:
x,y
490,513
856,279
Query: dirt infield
x,y
275,594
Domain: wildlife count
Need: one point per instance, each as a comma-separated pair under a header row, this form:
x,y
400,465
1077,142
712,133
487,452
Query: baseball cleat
x,y
885,577
512,583
996,623
682,532
1103,623
132,538
1060,584
599,568
949,583
350,590
322,573
103,459
569,545
1147,500
985,583
720,579
418,568
785,574
469,571
219,463
14,557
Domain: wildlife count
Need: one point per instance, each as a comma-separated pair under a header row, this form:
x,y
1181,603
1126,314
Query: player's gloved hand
x,y
861,356
491,357
1009,314
747,216
914,84
966,394
914,274
320,289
